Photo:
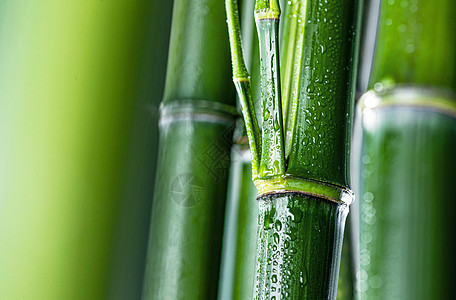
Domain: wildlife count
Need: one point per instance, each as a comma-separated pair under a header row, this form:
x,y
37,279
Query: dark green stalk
x,y
133,225
197,117
297,257
240,230
322,103
405,164
299,245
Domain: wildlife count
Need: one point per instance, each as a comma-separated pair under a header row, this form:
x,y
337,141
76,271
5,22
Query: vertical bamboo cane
x,y
238,267
301,167
134,218
197,117
405,143
240,230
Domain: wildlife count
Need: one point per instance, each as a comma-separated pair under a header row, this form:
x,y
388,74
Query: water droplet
x,y
266,114
274,278
276,238
378,87
310,88
268,222
276,124
368,196
278,225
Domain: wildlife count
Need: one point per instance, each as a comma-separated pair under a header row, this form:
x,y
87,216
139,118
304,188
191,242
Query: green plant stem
x,y
407,138
239,236
315,174
272,152
240,230
291,61
405,166
299,240
347,273
320,112
414,48
241,81
129,253
196,123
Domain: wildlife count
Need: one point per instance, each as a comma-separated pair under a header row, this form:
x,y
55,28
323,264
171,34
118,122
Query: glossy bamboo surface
x,y
238,269
195,140
299,244
405,169
416,43
406,180
319,44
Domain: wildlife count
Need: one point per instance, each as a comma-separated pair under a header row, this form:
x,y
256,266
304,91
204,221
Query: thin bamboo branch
x,y
241,79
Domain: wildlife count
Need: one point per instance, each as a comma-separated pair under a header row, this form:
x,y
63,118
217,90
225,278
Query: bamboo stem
x,y
299,240
405,140
315,173
241,79
406,175
272,152
196,123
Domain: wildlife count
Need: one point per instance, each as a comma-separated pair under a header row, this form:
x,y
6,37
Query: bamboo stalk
x,y
238,266
347,273
405,143
129,253
304,194
197,118
240,230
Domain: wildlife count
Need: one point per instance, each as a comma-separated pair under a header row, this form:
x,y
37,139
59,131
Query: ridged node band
x,y
288,184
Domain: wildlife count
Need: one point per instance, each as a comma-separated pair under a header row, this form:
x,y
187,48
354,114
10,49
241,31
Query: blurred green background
x,y
80,84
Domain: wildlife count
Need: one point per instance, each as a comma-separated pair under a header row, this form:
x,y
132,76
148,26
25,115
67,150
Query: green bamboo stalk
x,y
303,197
68,87
240,230
239,241
197,117
347,273
405,143
129,252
